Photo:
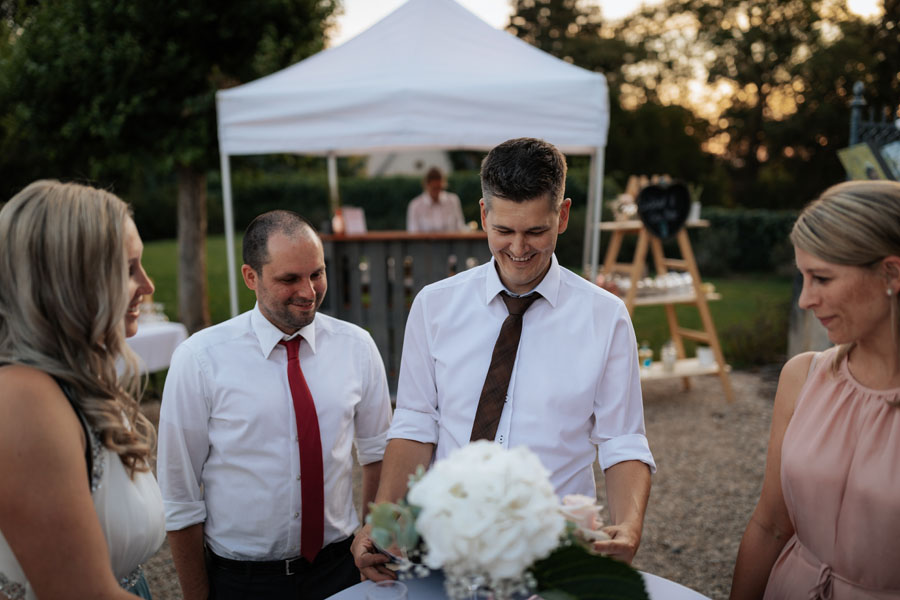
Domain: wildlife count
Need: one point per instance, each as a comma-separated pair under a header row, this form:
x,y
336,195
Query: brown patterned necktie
x,y
496,384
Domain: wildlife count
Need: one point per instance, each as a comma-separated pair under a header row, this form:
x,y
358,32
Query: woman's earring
x,y
890,292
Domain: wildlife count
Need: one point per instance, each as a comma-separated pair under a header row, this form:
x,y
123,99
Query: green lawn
x,y
751,318
161,263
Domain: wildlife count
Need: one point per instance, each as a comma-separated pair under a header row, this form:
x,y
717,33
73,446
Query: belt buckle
x,y
288,563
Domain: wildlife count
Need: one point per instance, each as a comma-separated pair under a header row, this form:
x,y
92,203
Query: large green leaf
x,y
574,572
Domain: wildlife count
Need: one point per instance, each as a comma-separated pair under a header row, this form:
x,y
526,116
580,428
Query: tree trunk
x,y
193,304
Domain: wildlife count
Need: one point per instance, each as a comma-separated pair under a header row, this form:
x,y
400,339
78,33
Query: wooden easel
x,y
685,367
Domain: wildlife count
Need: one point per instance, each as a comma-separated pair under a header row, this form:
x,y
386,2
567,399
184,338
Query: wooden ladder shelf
x,y
684,367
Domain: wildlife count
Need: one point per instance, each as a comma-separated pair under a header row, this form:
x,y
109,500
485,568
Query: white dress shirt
x,y
425,215
228,446
575,385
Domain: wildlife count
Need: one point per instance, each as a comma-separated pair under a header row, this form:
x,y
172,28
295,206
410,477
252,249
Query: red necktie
x,y
312,491
496,383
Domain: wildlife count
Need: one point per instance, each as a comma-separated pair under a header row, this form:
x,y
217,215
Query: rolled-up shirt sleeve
x,y
183,441
416,416
618,430
373,415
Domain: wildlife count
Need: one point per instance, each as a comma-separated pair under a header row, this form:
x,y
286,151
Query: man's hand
x,y
401,458
623,543
369,561
627,491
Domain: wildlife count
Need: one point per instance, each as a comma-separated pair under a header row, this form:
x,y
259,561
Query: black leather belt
x,y
288,566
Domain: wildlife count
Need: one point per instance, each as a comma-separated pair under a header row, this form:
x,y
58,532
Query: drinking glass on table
x,y
386,590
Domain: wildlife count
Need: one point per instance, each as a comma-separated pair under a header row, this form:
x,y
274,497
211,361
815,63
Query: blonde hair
x,y
63,301
856,223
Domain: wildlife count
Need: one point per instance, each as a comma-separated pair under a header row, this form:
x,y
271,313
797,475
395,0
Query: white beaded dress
x,y
131,515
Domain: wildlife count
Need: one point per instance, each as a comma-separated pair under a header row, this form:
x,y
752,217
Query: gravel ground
x,y
711,457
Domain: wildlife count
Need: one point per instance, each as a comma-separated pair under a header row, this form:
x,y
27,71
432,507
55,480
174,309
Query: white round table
x,y
432,588
155,342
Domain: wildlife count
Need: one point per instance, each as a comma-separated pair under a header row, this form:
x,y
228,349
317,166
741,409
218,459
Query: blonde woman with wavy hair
x,y
79,507
826,522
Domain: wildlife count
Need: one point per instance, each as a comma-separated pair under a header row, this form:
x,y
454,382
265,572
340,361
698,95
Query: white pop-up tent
x,y
429,75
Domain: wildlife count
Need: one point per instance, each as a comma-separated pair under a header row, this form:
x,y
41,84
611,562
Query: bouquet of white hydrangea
x,y
490,520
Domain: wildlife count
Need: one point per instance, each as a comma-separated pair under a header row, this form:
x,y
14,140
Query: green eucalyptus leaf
x,y
394,524
382,537
407,536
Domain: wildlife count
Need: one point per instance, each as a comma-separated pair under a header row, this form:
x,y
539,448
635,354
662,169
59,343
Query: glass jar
x,y
669,355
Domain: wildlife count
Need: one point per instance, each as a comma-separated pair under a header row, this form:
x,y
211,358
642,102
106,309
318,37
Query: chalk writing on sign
x,y
664,208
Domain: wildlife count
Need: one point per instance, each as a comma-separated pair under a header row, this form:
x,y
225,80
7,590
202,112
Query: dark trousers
x,y
332,571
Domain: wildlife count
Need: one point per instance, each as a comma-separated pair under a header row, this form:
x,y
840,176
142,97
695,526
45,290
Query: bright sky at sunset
x,y
359,15
705,100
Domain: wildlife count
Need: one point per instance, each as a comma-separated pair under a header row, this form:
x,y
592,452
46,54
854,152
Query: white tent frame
x,y
269,115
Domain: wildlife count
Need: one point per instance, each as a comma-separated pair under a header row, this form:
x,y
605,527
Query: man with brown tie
x,y
523,352
258,420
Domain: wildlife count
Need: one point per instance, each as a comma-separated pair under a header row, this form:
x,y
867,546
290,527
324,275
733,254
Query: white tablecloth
x,y
155,342
432,588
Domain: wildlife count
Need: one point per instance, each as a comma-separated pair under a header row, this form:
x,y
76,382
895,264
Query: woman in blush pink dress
x,y
827,524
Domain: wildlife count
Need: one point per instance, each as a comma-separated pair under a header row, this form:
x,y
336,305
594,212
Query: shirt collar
x,y
269,335
548,287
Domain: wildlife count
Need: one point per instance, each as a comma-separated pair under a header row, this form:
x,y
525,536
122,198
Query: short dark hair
x,y
256,238
434,174
523,169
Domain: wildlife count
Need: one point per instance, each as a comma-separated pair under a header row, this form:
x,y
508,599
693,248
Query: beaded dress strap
x,y
91,448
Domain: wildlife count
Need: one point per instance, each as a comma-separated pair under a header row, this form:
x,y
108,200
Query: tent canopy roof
x,y
429,75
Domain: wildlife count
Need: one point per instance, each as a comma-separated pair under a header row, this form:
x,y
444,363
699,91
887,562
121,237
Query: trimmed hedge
x,y
742,240
738,240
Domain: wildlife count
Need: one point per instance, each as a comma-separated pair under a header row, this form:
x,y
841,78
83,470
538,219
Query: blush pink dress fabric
x,y
840,474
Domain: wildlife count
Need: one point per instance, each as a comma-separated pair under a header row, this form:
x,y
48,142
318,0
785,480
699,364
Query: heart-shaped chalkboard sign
x,y
664,208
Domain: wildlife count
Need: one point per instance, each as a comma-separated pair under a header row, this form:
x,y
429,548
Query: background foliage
x,y
738,240
783,70
121,92
751,318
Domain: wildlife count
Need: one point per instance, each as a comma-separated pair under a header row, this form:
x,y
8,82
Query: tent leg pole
x,y
333,197
588,220
597,161
229,234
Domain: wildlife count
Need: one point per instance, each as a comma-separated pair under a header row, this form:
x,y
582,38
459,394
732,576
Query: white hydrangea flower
x,y
487,511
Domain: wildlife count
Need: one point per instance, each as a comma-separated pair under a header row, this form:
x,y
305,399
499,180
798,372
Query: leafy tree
x,y
654,139
648,138
801,147
884,38
790,66
105,89
574,31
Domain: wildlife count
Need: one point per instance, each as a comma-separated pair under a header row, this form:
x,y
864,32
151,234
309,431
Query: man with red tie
x,y
258,420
